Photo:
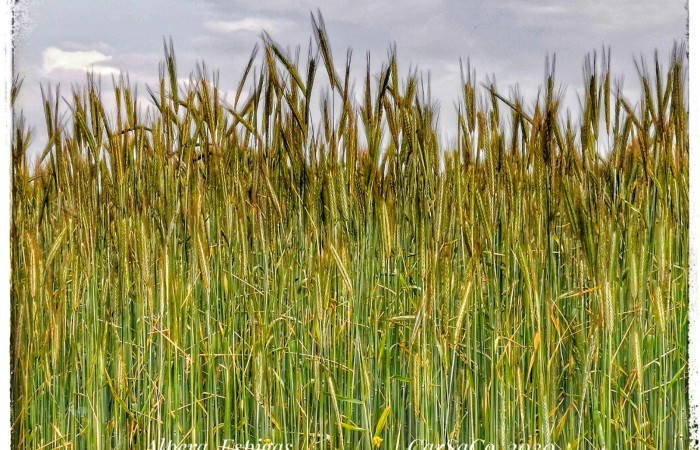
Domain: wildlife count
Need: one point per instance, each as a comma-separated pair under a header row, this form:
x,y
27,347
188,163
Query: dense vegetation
x,y
263,269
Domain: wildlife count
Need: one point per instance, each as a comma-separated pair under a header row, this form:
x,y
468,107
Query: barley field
x,y
305,265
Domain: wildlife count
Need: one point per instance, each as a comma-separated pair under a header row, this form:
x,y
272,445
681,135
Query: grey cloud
x,y
509,39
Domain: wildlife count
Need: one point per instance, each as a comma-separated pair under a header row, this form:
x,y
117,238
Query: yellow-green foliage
x,y
263,269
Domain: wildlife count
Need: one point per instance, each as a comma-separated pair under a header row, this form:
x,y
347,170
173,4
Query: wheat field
x,y
280,270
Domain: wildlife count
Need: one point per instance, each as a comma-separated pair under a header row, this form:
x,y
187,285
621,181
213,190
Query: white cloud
x,y
364,12
599,16
56,59
530,9
248,25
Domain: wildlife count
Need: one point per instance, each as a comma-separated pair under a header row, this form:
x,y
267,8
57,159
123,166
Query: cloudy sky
x,y
508,39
